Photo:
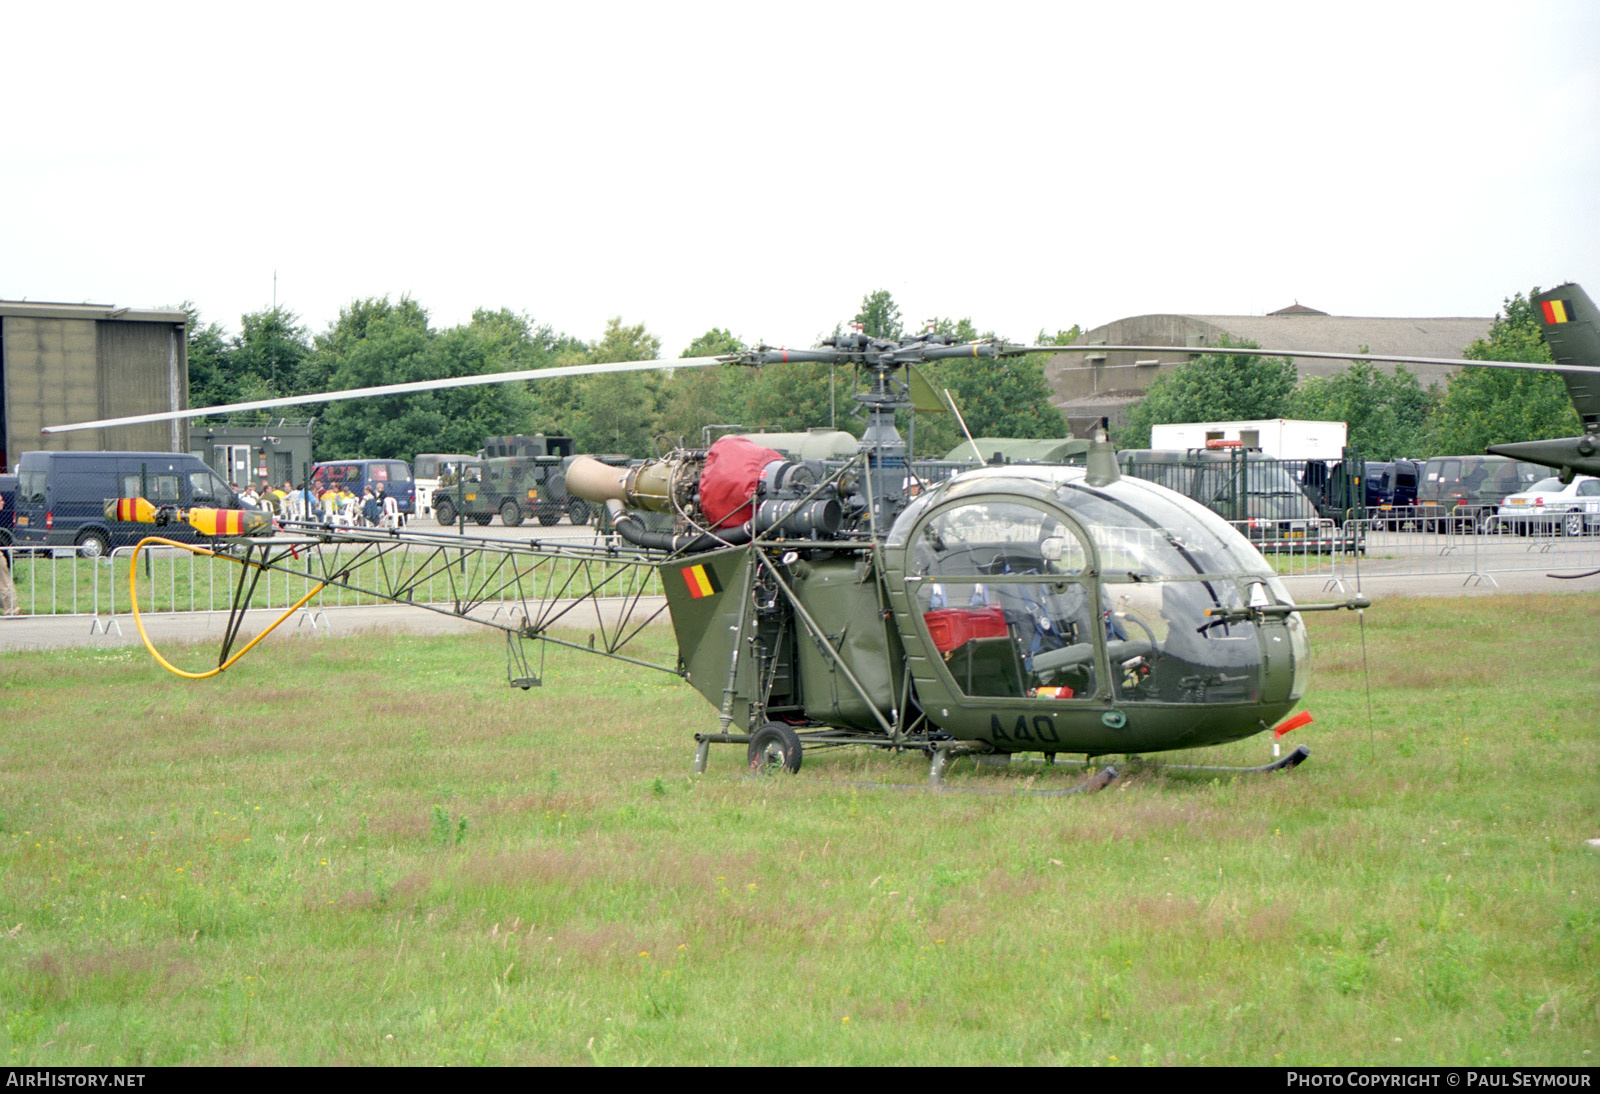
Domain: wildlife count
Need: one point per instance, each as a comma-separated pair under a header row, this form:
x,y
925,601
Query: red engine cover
x,y
733,468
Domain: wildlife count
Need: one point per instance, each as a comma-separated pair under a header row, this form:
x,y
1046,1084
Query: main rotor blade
x,y
1328,355
397,389
997,349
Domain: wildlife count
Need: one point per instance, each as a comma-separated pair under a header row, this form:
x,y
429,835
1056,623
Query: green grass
x,y
369,850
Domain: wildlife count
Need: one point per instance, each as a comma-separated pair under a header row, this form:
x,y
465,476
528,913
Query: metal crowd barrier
x,y
1302,548
58,582
1380,543
1471,545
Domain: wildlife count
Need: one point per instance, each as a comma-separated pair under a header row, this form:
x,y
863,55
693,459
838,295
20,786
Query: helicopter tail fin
x,y
1571,325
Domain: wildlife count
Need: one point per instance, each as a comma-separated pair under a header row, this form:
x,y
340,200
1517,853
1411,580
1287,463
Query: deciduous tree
x,y
879,316
210,383
693,398
1388,414
268,355
617,411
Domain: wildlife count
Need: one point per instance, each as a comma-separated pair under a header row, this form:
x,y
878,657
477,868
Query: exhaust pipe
x,y
648,486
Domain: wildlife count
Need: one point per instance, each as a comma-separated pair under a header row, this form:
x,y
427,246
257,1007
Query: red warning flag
x,y
1292,724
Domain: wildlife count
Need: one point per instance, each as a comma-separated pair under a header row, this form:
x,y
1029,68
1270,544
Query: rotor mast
x,y
881,358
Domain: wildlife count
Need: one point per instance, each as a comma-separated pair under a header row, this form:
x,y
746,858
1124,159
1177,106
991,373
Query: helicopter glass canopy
x,y
1000,583
1141,531
1022,599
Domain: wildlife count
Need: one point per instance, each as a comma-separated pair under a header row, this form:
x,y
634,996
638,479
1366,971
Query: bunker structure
x,y
77,362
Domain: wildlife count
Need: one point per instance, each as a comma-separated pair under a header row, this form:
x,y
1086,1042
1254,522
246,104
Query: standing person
x,y
8,589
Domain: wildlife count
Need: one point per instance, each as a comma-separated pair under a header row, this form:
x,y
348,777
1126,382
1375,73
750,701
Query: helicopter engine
x,y
788,500
729,493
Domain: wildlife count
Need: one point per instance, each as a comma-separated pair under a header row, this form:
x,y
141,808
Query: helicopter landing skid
x,y
1292,760
941,756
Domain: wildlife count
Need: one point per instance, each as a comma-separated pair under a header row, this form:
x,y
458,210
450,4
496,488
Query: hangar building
x,y
1086,385
77,362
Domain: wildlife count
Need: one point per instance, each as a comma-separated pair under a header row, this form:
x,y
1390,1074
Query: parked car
x,y
1258,494
1391,492
1550,506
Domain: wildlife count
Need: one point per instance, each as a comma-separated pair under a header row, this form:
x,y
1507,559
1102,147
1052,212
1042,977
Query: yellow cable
x,y
133,595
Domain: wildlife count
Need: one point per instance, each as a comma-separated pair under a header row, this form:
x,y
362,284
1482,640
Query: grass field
x,y
370,851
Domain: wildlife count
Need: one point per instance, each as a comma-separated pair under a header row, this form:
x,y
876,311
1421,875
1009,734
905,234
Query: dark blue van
x,y
356,475
61,496
8,514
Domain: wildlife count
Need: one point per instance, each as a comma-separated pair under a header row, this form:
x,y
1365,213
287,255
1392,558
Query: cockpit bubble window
x,y
1006,597
1181,654
1299,643
996,538
1014,638
1142,530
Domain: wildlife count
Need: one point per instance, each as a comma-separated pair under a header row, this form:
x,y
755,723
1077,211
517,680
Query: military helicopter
x,y
1008,609
1052,610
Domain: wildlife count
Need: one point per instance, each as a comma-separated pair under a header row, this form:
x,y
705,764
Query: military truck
x,y
549,456
479,489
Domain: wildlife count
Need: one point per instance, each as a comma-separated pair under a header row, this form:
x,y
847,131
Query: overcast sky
x,y
760,167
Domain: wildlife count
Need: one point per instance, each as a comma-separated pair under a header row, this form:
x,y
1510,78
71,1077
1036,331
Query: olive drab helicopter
x,y
1041,609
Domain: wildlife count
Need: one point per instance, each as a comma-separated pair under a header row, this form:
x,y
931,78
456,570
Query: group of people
x,y
374,509
336,504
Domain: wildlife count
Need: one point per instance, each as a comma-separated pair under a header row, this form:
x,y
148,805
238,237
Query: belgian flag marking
x,y
701,581
1555,311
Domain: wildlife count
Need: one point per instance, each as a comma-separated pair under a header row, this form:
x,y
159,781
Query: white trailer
x,y
1279,438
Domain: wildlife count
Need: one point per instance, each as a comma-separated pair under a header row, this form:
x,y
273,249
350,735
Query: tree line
x,y
381,341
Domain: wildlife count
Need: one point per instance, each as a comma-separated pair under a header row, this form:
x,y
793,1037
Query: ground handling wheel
x,y
772,747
